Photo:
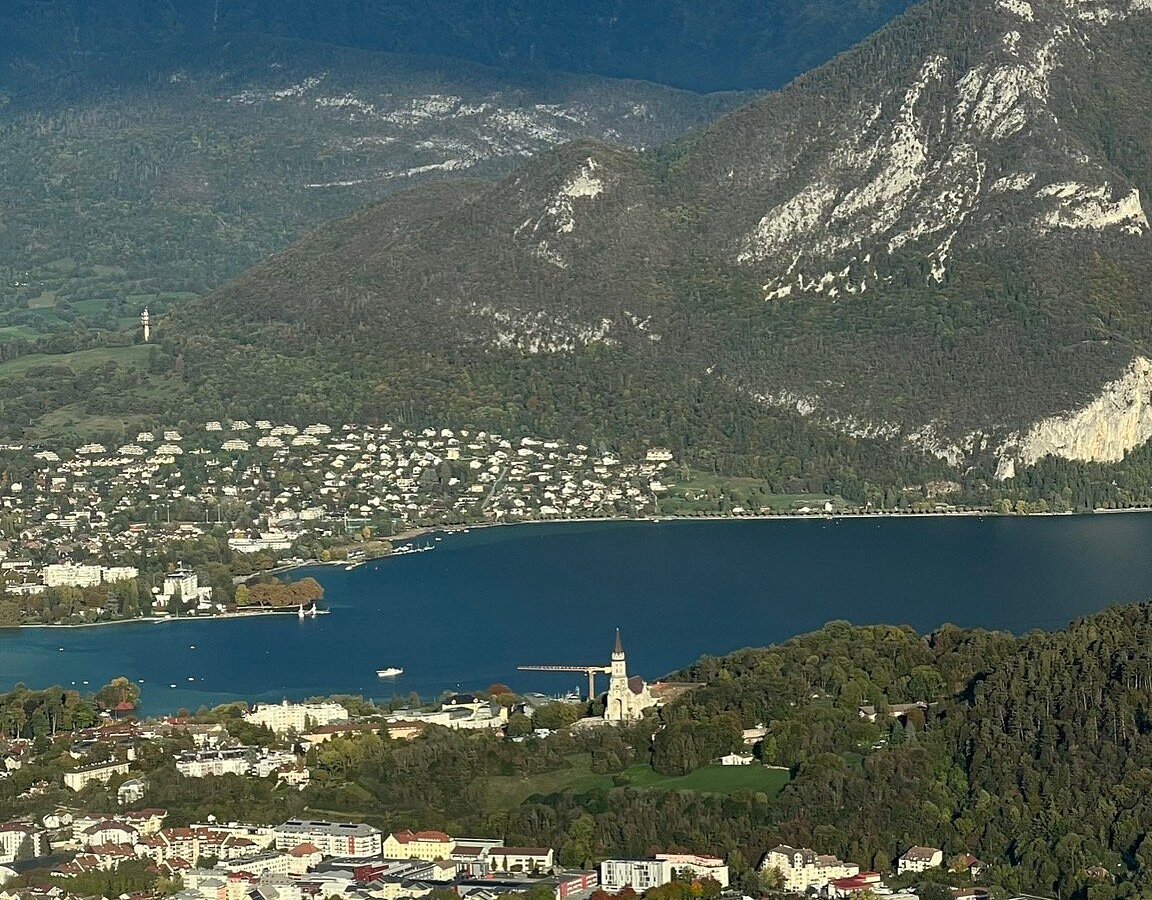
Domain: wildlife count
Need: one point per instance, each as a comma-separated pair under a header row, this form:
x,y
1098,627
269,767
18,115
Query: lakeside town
x,y
94,819
174,521
122,523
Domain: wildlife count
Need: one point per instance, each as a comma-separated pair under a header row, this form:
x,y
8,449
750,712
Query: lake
x,y
467,614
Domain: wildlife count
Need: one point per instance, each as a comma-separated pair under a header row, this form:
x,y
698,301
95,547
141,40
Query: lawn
x,y
78,361
711,779
507,791
17,332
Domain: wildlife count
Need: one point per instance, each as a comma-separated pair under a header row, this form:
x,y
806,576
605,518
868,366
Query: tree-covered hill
x,y
934,243
1033,755
123,191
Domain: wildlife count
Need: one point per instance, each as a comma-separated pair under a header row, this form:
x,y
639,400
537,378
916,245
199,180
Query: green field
x,y
18,332
703,493
507,791
78,361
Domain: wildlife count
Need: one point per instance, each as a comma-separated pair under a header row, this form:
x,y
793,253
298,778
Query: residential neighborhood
x,y
92,517
313,857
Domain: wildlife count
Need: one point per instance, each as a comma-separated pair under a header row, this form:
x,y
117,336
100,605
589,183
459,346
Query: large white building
x,y
644,874
224,762
70,575
183,585
299,717
353,840
803,868
627,698
17,838
425,845
78,779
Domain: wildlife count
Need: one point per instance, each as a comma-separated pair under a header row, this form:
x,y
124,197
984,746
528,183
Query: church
x,y
627,698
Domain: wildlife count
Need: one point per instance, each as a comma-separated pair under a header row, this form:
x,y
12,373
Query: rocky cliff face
x,y
1117,421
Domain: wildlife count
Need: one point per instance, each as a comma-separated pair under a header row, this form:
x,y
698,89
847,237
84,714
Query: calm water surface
x,y
484,602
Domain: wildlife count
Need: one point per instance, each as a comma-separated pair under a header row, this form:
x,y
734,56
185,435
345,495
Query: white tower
x,y
146,323
616,703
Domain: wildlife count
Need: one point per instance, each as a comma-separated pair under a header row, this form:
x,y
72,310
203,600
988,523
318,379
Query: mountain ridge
x,y
897,245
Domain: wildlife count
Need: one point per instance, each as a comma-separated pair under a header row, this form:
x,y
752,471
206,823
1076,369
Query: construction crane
x,y
590,671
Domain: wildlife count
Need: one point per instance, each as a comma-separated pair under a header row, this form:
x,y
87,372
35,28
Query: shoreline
x,y
158,620
424,530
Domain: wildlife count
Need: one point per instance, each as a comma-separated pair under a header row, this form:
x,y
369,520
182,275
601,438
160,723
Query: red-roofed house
x,y
109,832
854,884
304,859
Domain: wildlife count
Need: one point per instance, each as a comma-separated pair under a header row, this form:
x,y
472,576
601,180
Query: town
x,y
111,830
86,528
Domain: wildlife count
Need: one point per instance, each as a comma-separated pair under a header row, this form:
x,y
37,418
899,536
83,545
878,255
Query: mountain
x,y
168,184
691,44
937,243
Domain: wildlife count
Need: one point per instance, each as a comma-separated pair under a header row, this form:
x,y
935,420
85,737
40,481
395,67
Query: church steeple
x,y
619,650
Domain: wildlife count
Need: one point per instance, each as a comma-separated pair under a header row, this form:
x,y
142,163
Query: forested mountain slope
x,y
147,174
938,241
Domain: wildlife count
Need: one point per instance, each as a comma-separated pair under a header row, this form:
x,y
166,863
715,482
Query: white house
x,y
919,859
109,832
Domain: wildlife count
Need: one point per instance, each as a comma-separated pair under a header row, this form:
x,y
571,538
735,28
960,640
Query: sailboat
x,y
300,612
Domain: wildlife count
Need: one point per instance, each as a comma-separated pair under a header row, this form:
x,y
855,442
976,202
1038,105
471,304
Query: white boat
x,y
300,612
313,611
390,672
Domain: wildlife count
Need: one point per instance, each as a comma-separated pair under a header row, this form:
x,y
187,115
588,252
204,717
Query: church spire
x,y
619,651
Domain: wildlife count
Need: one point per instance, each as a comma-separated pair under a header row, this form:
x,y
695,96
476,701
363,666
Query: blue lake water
x,y
467,614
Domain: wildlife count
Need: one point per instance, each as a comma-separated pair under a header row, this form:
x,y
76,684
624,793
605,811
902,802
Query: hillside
x,y
1033,755
170,177
936,243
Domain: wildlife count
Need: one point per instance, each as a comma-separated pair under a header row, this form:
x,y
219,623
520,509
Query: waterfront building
x,y
70,575
183,586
